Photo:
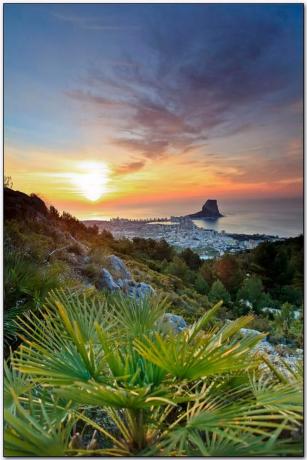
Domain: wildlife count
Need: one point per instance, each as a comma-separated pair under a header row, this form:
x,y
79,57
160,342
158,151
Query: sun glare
x,y
92,181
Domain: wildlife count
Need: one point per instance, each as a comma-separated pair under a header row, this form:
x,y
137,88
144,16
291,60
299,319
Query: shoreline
x,y
174,221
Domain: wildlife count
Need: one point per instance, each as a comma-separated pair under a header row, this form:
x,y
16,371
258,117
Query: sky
x,y
130,109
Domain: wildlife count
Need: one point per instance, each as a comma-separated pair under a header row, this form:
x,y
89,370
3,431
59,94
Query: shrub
x,y
192,259
251,290
218,292
201,285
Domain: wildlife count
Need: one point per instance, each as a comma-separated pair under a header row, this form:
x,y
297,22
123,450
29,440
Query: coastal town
x,y
182,232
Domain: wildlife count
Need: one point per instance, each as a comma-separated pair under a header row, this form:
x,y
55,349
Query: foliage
x,y
251,290
199,392
227,269
151,249
178,267
201,285
78,253
8,182
284,319
25,287
192,259
218,292
280,263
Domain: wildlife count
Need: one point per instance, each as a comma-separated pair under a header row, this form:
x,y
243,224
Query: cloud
x,y
129,168
153,149
210,74
89,98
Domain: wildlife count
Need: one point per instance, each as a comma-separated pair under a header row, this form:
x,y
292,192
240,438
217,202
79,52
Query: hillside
x,y
156,370
45,250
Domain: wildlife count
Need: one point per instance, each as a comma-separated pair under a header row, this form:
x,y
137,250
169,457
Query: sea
x,y
276,217
283,218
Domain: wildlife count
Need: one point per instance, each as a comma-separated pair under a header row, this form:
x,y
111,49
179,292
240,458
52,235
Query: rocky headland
x,y
209,210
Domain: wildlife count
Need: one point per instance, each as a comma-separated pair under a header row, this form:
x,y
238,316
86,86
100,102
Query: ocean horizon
x,y
279,217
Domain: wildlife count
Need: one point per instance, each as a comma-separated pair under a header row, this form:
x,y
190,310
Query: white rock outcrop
x,y
106,281
118,268
172,322
120,279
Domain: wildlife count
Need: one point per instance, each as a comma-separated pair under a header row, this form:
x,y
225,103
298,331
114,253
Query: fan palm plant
x,y
110,369
25,288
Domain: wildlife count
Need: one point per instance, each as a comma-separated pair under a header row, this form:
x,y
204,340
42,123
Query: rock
x,y
144,290
120,283
210,210
118,267
120,279
246,303
172,322
140,290
265,347
106,281
245,331
297,314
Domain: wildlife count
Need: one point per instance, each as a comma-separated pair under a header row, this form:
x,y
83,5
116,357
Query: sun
x,y
92,180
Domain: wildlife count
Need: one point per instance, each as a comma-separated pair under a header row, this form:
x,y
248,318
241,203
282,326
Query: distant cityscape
x,y
182,233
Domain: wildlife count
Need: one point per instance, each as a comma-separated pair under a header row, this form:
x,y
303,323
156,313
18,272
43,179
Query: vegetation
x,y
98,376
63,250
88,373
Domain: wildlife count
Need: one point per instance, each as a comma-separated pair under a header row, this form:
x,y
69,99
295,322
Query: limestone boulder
x,y
116,277
118,268
174,323
106,281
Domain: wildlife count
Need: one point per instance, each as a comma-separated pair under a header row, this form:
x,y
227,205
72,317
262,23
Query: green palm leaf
x,y
205,355
28,434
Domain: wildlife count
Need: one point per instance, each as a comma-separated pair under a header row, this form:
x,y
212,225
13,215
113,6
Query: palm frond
x,y
205,355
138,316
199,392
15,384
28,435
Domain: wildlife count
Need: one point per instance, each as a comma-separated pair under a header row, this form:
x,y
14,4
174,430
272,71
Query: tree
x,y
192,259
94,229
179,268
205,271
264,255
218,292
228,271
251,290
54,213
7,182
284,319
152,249
290,294
201,285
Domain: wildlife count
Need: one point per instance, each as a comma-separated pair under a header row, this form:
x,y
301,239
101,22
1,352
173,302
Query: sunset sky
x,y
125,109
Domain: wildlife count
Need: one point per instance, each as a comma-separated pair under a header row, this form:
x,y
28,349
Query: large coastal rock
x,y
118,278
210,210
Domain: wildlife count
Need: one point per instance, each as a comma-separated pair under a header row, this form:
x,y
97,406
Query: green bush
x,y
218,292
